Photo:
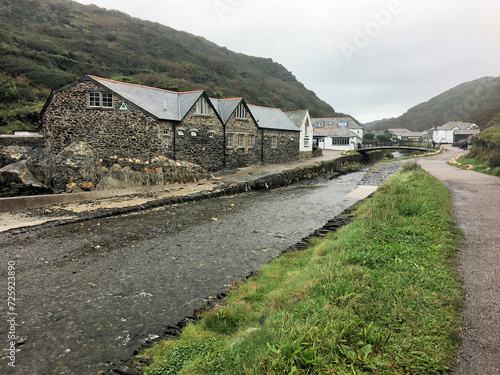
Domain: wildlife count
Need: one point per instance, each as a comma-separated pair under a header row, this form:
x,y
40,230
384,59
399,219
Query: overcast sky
x,y
369,58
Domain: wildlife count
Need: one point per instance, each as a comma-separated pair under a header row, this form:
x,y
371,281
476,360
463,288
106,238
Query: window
x,y
343,123
107,100
274,141
194,133
319,124
340,141
251,140
165,132
241,112
180,132
230,140
306,142
100,99
241,140
202,107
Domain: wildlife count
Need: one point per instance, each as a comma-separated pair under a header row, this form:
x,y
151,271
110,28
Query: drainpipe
x,y
174,139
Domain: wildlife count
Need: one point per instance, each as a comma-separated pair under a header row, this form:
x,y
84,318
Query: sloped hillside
x,y
47,44
476,101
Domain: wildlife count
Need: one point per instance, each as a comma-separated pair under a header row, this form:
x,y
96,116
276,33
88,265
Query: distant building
x,y
337,133
454,131
302,120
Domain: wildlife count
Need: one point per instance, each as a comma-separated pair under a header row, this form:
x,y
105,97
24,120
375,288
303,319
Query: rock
x,y
16,179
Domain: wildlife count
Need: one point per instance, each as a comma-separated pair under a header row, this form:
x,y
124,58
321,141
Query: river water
x,y
89,293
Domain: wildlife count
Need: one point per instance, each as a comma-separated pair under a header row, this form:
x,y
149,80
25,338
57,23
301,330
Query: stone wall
x,y
238,157
287,146
200,139
14,148
126,133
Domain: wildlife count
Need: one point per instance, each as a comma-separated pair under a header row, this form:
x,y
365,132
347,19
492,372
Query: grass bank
x,y
484,156
378,296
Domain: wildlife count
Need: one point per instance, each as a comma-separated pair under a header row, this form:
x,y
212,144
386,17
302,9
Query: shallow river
x,y
90,293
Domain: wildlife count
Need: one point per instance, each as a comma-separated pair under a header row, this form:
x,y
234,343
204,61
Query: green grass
x,y
475,164
380,296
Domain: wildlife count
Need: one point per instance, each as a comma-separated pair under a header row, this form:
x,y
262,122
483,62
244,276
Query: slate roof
x,y
163,104
341,132
459,124
225,107
351,124
272,118
297,117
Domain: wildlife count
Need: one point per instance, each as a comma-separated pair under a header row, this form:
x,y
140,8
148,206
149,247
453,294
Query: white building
x,y
303,121
454,131
337,133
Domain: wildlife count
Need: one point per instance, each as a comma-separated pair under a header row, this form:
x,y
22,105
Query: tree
x,y
368,137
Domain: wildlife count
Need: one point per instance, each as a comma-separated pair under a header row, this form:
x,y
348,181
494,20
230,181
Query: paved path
x,y
476,205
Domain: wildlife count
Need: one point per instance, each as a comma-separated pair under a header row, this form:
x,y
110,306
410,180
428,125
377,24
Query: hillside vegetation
x,y
476,101
485,153
47,44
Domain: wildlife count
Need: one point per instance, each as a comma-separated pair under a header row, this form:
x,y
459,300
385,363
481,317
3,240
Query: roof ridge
x,y
240,97
147,87
259,106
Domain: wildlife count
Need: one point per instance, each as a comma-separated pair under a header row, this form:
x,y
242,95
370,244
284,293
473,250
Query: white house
x,y
337,133
303,122
454,131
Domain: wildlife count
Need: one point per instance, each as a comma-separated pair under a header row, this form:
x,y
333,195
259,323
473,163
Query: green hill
x,y
47,44
476,101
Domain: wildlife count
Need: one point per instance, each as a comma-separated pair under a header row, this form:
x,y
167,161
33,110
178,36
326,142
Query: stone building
x,y
280,136
122,120
243,138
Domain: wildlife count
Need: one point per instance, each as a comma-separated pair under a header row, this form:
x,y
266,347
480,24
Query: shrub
x,y
494,159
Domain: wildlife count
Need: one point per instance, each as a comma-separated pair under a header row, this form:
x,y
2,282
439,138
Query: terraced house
x,y
123,120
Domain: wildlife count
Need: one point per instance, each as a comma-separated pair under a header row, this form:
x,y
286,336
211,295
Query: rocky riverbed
x,y
92,292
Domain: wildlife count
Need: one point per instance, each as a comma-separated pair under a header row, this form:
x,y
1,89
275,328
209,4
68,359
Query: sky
x,y
372,59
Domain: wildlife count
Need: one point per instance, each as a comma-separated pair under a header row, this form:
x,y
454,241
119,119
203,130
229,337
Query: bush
x,y
494,159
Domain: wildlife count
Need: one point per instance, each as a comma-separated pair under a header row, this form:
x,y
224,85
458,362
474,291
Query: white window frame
x,y
241,112
202,108
229,140
251,140
241,140
274,141
319,124
99,99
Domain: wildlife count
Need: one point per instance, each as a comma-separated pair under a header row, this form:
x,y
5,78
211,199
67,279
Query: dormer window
x,y
241,112
100,99
202,107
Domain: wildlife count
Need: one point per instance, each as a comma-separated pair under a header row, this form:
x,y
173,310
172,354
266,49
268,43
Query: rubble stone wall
x,y
286,147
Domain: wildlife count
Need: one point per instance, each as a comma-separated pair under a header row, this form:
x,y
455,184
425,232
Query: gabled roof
x,y
298,117
450,125
272,118
341,132
163,104
333,122
226,107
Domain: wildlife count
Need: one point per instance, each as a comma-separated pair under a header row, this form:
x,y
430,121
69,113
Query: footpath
x,y
476,208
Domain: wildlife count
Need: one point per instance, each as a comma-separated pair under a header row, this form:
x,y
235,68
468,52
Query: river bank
x,y
92,292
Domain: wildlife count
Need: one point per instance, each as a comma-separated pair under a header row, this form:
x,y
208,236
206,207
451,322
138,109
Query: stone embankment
x,y
333,167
